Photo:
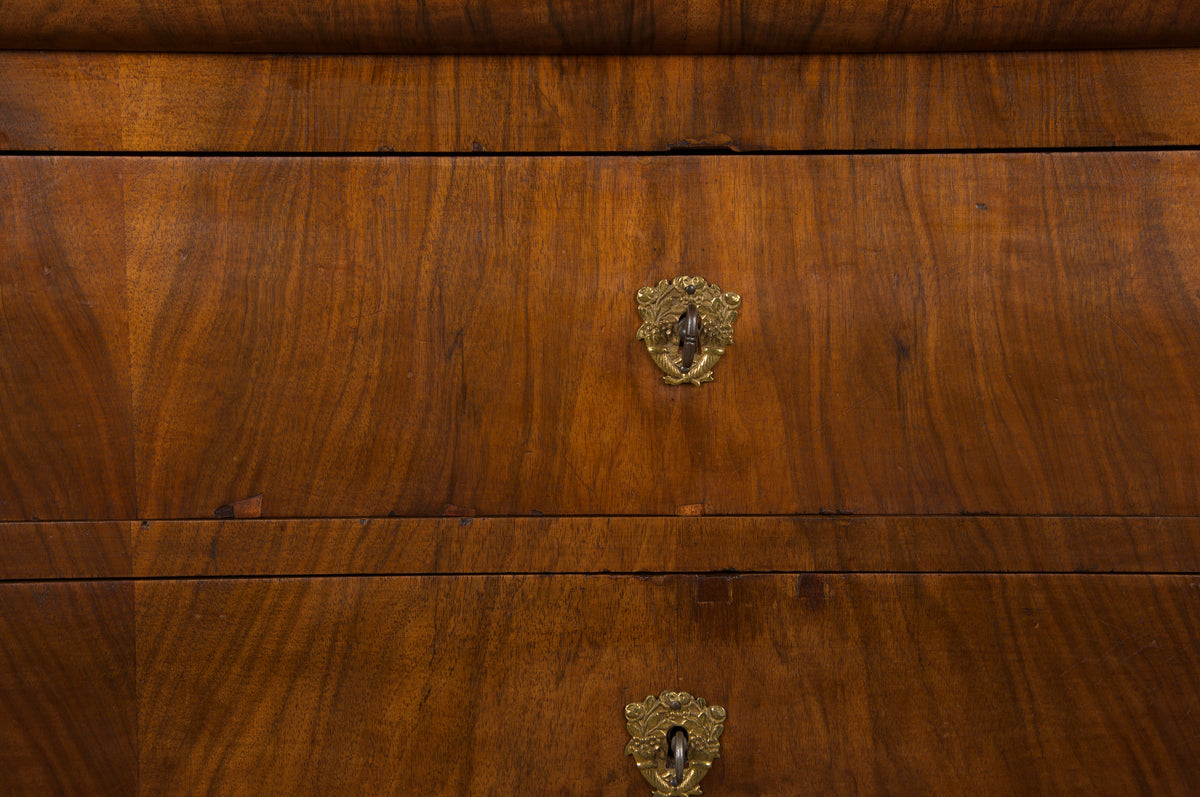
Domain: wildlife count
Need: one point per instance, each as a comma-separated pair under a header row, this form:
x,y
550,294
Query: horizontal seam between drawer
x,y
637,574
665,153
828,516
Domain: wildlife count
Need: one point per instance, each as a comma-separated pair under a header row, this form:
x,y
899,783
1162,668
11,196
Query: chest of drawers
x,y
330,462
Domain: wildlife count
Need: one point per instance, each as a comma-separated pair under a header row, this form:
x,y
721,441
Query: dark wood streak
x,y
653,544
888,684
68,716
165,103
595,26
66,443
1012,334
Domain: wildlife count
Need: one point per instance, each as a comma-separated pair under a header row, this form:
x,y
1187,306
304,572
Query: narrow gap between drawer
x,y
638,574
827,516
666,153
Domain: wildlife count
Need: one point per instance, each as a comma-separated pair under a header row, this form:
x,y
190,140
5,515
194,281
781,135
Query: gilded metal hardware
x,y
675,738
686,323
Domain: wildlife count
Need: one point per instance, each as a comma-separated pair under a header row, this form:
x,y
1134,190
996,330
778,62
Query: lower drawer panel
x,y
516,684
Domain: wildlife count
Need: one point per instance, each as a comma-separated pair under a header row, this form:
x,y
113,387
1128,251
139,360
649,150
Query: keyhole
x,y
688,328
677,747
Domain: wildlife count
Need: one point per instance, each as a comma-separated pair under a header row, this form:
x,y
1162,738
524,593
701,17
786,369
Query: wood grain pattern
x,y
68,718
65,550
595,26
886,684
66,446
1014,334
165,103
59,101
663,545
187,549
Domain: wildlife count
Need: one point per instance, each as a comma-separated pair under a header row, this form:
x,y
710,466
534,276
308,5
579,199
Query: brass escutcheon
x,y
675,738
686,323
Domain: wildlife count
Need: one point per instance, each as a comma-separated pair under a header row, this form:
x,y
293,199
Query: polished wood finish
x,y
164,103
1014,334
68,716
515,685
65,550
66,444
1059,379
344,475
328,546
595,26
59,101
193,548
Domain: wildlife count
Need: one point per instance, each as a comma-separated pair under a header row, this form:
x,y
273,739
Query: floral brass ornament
x,y
687,323
651,724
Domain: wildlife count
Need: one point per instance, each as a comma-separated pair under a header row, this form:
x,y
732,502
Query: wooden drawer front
x,y
1015,333
109,102
515,685
349,337
896,684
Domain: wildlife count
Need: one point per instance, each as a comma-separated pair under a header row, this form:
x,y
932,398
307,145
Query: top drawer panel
x,y
919,334
348,337
106,102
595,26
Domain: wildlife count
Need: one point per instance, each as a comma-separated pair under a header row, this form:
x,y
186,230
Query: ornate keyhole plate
x,y
685,351
649,724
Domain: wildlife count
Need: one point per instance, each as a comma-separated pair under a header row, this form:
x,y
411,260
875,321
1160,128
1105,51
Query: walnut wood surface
x,y
595,26
66,445
59,101
65,550
515,685
663,545
163,103
174,549
68,717
1014,334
